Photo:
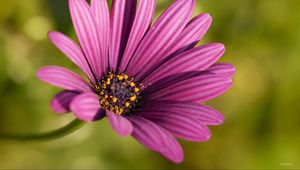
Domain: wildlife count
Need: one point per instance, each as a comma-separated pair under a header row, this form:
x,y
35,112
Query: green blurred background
x,y
262,109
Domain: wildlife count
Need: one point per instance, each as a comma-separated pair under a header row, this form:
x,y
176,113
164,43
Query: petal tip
x,y
40,72
207,137
52,35
178,161
215,47
220,121
219,46
174,157
208,19
207,16
178,158
233,69
205,20
219,49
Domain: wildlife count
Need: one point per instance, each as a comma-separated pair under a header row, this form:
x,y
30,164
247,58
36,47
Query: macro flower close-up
x,y
148,80
149,84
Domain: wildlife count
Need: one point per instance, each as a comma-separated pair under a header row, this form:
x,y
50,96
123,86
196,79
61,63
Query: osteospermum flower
x,y
147,80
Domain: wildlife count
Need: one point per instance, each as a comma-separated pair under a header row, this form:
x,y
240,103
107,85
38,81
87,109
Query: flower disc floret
x,y
119,93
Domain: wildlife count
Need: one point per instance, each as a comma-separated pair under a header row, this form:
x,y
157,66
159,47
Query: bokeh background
x,y
262,109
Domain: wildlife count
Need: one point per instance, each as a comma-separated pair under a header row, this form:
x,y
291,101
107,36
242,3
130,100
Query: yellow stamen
x,y
120,77
102,101
114,99
136,89
118,84
121,111
132,84
108,81
133,98
111,76
112,108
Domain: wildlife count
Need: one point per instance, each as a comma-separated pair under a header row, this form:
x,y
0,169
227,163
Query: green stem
x,y
55,134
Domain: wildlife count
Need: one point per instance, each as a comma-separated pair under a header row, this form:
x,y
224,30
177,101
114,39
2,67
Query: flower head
x,y
147,80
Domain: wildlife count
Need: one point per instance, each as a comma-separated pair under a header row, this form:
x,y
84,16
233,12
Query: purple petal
x,y
86,30
179,124
161,36
197,59
101,12
122,17
63,78
192,34
61,101
72,51
156,138
86,107
120,124
197,89
206,115
170,80
222,69
141,24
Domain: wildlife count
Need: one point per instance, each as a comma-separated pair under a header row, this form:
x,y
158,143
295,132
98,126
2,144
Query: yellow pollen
x,y
133,98
118,93
108,81
136,89
120,77
114,99
112,108
102,101
132,84
111,76
121,111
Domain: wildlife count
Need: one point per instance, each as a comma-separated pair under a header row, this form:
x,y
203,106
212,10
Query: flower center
x,y
118,93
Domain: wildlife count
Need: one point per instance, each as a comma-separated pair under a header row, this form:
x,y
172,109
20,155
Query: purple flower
x,y
147,80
